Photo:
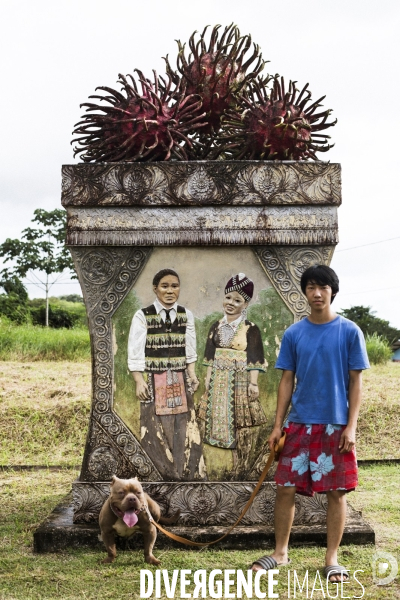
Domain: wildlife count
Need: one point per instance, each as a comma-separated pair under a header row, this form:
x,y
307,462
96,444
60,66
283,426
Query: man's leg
x,y
284,514
335,521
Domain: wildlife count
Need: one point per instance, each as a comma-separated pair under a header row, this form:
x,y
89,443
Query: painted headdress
x,y
242,285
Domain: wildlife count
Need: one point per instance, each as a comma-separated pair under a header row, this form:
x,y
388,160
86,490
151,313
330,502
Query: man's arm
x,y
190,350
136,354
285,392
348,437
190,339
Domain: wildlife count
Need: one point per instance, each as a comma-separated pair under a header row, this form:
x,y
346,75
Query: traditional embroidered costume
x,y
228,405
232,351
161,343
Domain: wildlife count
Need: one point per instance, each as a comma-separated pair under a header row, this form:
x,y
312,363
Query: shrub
x,y
12,308
58,317
378,349
62,313
13,304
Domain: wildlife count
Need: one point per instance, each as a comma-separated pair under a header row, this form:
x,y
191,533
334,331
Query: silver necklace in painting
x,y
226,333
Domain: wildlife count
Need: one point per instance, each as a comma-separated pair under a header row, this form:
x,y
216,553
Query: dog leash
x,y
272,455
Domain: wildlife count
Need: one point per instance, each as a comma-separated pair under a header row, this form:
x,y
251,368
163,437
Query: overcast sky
x,y
54,54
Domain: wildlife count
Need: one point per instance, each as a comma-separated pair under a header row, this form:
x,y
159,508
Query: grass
x,y
378,431
26,498
30,343
378,349
44,411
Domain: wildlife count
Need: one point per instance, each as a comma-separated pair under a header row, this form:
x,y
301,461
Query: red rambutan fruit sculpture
x,y
217,72
274,124
146,125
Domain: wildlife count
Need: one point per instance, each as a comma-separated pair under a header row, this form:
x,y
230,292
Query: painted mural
x,y
195,344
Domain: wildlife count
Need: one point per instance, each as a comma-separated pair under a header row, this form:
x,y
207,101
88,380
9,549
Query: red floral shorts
x,y
311,461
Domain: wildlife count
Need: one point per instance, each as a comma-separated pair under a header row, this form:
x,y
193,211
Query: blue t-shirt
x,y
321,357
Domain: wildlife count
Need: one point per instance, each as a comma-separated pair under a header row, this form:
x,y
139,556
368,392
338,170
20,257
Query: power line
x,y
370,244
55,283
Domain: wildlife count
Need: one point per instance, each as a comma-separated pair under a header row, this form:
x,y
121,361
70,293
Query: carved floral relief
x,y
201,183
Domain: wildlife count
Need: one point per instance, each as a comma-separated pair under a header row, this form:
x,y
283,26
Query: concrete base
x,y
58,532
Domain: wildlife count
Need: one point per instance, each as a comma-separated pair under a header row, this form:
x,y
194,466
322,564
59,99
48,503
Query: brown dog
x,y
125,512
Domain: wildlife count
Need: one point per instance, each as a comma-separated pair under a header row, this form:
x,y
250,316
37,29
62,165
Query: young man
x,y
326,354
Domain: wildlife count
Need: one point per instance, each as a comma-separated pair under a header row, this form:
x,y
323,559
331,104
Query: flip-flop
x,y
268,562
331,570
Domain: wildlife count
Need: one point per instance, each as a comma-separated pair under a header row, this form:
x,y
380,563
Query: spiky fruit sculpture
x,y
217,72
151,124
274,124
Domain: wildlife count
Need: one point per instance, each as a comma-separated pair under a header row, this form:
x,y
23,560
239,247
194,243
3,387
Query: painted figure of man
x,y
326,354
162,357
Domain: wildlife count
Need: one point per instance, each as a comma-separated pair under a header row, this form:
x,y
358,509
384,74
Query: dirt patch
x,y
40,385
44,412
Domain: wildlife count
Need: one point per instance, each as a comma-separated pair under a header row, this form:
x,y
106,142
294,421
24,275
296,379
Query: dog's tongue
x,y
130,518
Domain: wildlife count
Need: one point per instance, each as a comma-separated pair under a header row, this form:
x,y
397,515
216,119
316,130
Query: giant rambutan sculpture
x,y
215,105
151,124
274,124
217,72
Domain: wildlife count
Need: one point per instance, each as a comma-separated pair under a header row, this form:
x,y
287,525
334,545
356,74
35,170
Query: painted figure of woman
x,y
162,357
234,357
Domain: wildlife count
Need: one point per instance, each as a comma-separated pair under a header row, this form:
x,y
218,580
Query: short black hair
x,y
163,273
321,275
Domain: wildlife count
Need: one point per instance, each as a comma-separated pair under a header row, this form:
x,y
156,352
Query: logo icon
x,y
384,568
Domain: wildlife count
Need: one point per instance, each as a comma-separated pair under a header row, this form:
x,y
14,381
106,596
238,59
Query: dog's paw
x,y
152,560
107,560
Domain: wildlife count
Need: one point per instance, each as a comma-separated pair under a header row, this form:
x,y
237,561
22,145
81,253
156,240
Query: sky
x,y
54,55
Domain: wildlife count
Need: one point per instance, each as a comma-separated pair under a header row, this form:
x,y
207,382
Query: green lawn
x,y
26,498
44,410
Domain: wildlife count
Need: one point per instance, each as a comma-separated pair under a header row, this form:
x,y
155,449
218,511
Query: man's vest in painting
x,y
165,348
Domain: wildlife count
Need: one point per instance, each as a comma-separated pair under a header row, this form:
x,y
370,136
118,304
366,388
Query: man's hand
x,y
274,437
347,440
192,377
193,383
142,390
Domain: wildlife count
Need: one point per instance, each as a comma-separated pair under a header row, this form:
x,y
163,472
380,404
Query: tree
x,y
76,298
42,249
14,303
369,324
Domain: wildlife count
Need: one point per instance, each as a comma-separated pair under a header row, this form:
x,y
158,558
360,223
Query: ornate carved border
x,y
106,276
204,504
201,183
188,226
284,267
